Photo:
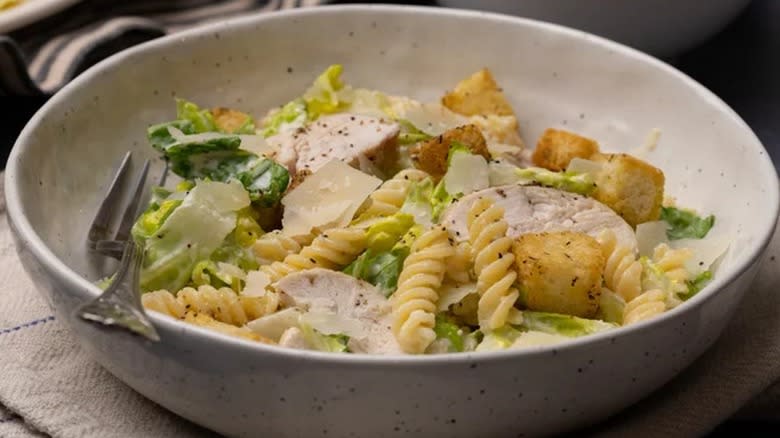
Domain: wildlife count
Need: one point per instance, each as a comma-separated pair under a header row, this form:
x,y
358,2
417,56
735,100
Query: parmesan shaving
x,y
328,198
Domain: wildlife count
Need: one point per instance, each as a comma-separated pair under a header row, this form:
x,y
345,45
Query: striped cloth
x,y
42,57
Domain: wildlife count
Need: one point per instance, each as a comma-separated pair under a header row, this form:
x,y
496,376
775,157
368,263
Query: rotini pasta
x,y
493,264
645,306
224,305
390,196
164,302
414,302
274,247
332,249
459,265
622,272
672,262
203,320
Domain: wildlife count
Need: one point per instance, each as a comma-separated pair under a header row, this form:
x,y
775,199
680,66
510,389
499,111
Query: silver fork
x,y
120,304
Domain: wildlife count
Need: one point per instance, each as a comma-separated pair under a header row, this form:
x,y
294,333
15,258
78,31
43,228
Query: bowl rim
x,y
28,237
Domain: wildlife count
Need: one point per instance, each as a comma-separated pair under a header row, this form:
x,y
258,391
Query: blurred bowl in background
x,y
659,27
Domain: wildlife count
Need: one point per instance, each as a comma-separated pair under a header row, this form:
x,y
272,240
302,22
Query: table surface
x,y
741,65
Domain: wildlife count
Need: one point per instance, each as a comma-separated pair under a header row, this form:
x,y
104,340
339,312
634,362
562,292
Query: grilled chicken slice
x,y
360,141
532,209
358,305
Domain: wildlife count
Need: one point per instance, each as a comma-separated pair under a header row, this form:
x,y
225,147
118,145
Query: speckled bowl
x,y
554,76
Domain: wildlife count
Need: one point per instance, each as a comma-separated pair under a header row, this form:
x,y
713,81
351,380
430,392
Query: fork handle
x,y
120,304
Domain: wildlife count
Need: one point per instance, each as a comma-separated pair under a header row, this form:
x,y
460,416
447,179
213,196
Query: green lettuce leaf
x,y
447,329
323,96
293,113
201,119
315,340
379,268
574,182
686,224
697,284
191,234
564,325
160,135
220,159
385,233
410,134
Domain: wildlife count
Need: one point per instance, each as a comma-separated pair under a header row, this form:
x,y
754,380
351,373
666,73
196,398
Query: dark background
x,y
741,65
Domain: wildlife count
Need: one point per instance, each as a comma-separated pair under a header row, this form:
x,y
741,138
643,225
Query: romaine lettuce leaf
x,y
410,134
190,234
201,119
686,224
323,95
379,268
447,329
220,159
315,340
383,234
564,325
581,183
696,284
293,114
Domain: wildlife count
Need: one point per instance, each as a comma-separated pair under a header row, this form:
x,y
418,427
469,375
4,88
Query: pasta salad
x,y
350,220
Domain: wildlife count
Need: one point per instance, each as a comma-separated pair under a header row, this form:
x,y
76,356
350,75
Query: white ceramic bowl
x,y
554,76
659,27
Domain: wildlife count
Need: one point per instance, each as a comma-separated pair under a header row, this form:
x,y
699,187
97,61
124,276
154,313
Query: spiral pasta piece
x,y
210,323
390,196
459,265
414,302
622,272
645,306
274,247
493,264
164,302
672,262
333,249
223,304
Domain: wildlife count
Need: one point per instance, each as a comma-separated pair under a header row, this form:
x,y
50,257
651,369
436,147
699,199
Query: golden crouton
x,y
630,186
229,120
431,156
556,148
478,94
560,272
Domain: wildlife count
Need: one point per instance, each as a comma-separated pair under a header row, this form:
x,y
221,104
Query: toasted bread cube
x,y
431,156
630,186
478,94
560,272
556,148
229,120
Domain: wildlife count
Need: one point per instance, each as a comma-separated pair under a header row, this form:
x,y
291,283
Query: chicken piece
x,y
478,94
360,141
532,209
556,148
560,272
229,120
431,156
630,186
356,302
